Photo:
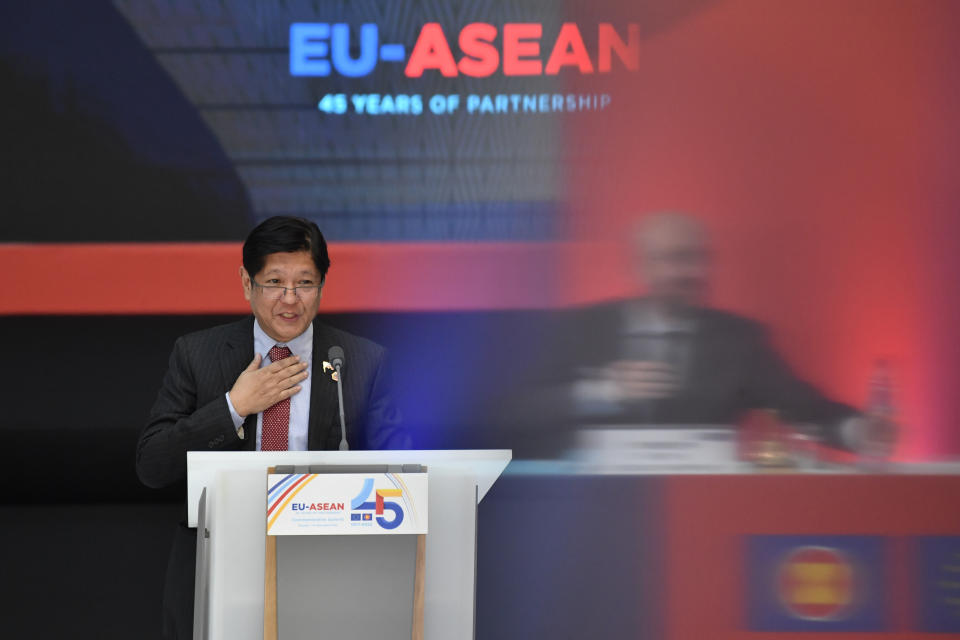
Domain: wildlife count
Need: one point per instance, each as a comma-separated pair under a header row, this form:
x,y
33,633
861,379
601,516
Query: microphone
x,y
336,358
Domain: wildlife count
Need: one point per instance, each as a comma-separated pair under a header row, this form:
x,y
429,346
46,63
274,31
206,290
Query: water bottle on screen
x,y
877,442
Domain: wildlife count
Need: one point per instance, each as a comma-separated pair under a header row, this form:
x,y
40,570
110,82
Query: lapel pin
x,y
329,367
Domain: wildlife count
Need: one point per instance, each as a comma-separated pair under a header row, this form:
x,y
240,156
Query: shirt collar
x,y
301,346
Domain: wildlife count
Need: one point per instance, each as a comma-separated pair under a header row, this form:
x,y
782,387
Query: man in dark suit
x,y
667,358
263,383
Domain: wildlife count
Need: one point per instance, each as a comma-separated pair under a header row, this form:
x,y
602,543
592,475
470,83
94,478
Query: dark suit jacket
x,y
732,368
191,414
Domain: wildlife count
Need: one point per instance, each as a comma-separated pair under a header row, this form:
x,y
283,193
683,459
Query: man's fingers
x,y
291,368
279,365
645,379
255,363
641,367
295,366
273,383
293,378
649,378
648,385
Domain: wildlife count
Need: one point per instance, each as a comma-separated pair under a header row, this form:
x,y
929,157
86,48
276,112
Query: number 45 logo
x,y
360,503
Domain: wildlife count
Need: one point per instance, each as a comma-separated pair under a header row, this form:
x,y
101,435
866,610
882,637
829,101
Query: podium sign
x,y
670,449
346,503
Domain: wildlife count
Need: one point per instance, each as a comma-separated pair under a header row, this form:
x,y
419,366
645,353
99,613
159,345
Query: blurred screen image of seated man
x,y
262,384
667,358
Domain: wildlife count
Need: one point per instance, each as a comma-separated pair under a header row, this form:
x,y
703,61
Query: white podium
x,y
232,536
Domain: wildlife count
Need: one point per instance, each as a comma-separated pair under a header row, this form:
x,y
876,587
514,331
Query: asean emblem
x,y
816,583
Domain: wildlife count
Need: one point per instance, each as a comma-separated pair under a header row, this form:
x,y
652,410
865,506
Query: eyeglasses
x,y
275,292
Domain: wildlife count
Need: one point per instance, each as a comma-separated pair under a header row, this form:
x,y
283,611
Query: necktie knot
x,y
278,353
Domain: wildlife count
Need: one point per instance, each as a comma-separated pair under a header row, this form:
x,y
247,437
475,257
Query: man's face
x,y
285,317
675,264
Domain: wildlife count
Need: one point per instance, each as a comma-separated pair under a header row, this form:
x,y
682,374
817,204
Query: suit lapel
x,y
238,352
323,391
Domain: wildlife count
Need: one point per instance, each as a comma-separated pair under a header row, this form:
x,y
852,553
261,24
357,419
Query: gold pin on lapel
x,y
329,367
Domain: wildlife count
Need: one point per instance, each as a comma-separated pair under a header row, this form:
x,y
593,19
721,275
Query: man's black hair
x,y
285,234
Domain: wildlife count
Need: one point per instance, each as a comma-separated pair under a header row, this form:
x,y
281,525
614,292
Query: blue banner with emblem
x,y
816,583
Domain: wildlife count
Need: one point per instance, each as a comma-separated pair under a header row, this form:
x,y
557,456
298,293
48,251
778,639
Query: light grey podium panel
x,y
202,580
345,587
236,519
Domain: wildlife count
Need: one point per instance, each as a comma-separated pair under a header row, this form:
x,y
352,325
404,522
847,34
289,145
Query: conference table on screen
x,y
738,554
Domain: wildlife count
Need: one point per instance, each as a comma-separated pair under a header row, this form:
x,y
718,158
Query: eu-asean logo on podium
x,y
380,506
816,583
346,503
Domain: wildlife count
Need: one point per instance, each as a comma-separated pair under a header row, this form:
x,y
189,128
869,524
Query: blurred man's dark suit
x,y
730,368
191,414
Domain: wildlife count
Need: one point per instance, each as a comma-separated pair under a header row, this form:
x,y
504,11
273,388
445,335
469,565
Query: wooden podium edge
x,y
270,585
419,584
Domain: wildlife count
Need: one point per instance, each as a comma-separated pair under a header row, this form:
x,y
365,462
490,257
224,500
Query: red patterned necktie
x,y
276,419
